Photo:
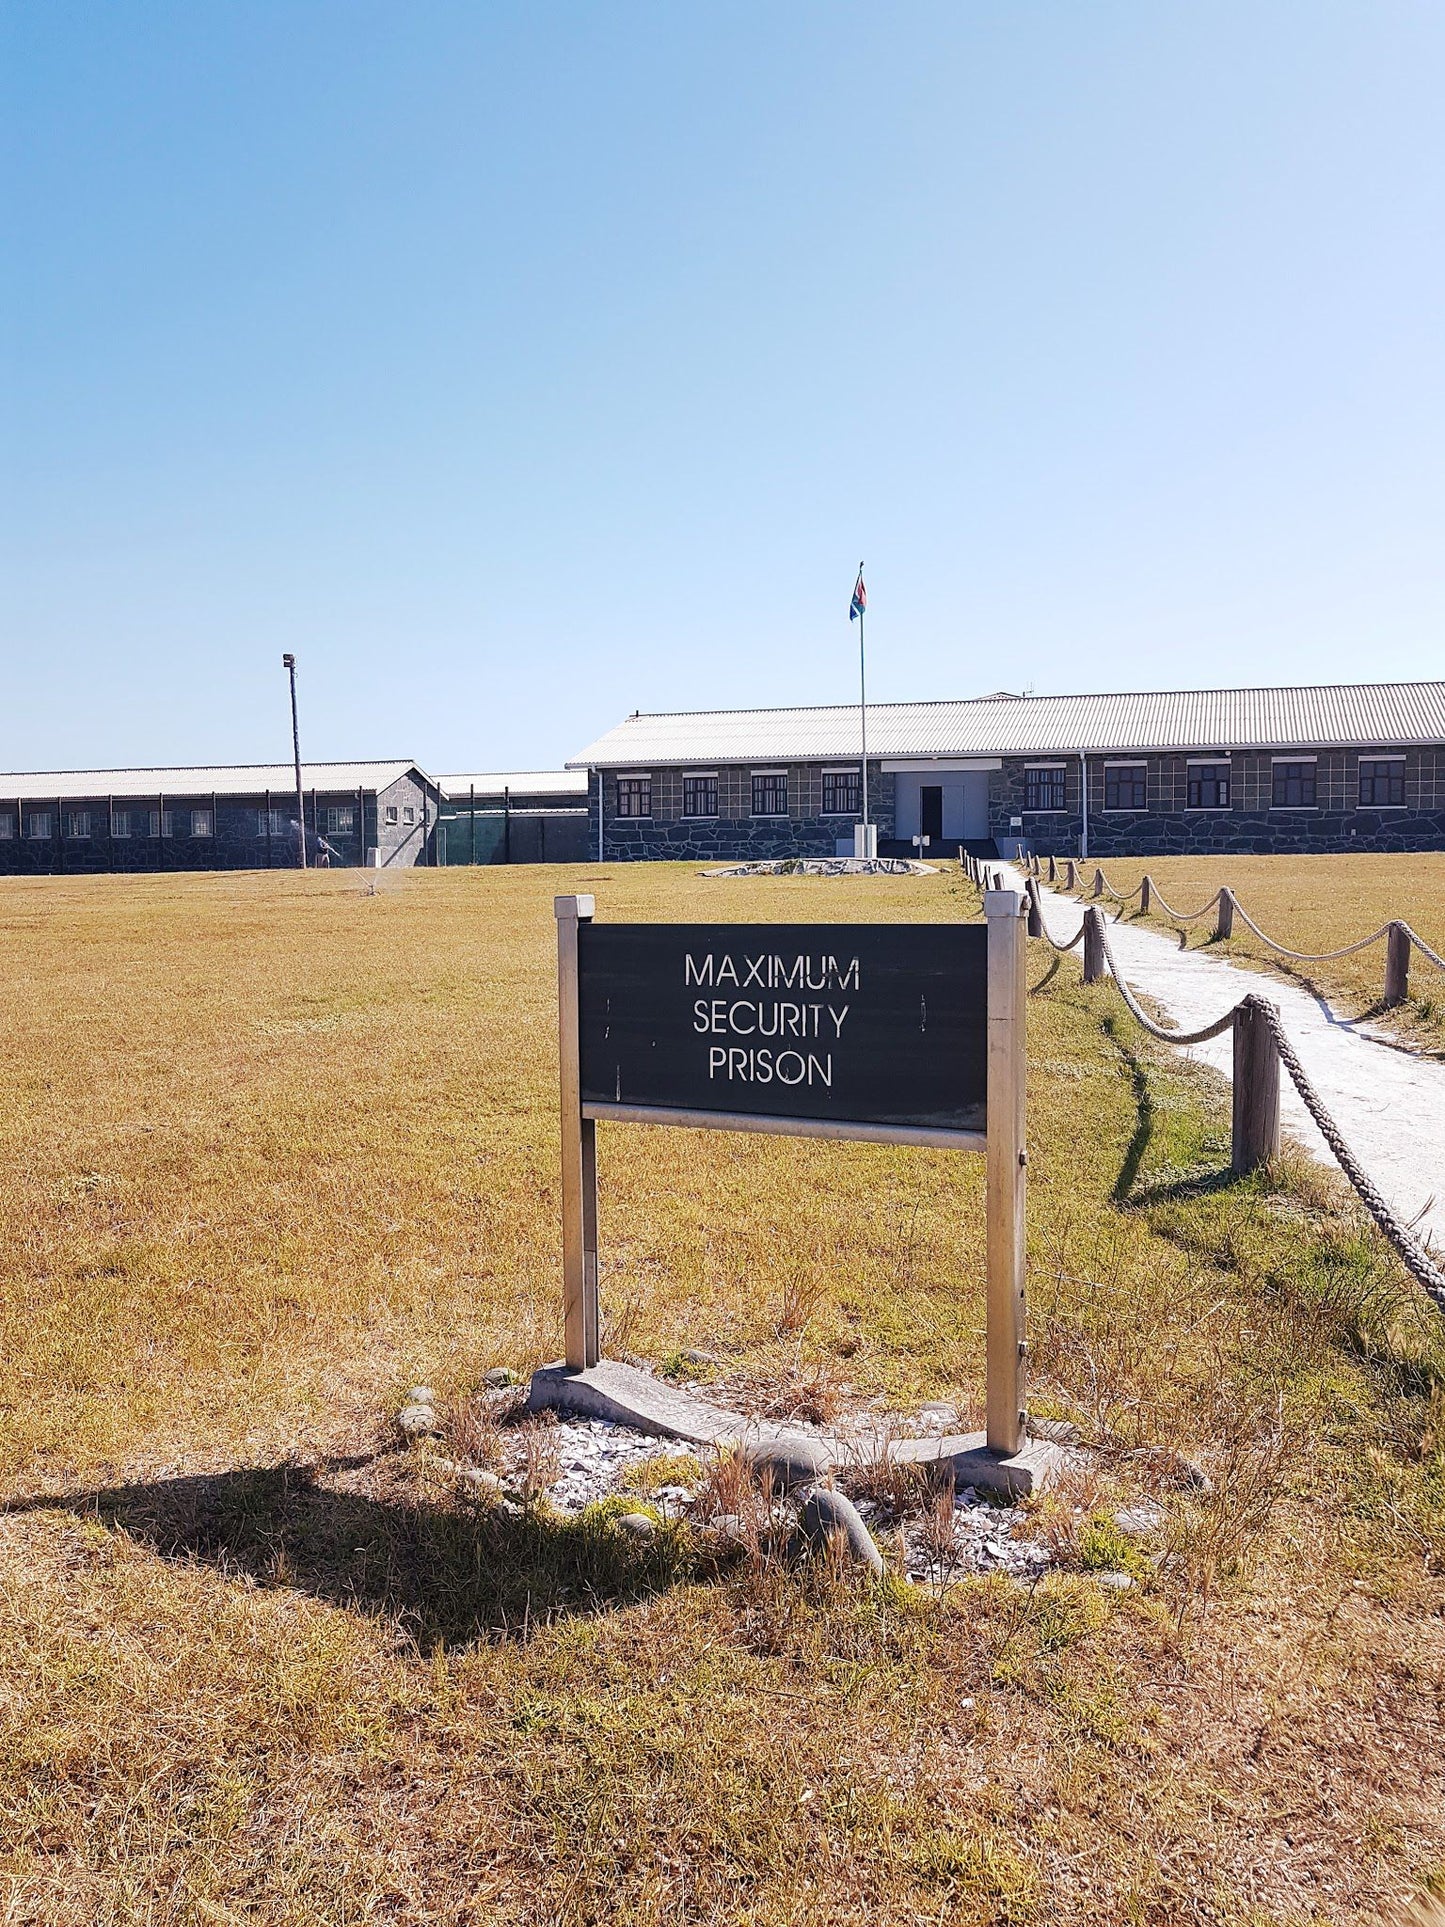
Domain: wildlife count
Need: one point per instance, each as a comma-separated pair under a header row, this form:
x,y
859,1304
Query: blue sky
x,y
519,365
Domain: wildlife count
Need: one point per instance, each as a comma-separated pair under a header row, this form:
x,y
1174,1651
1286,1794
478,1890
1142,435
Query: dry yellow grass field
x,y
274,1148
1313,904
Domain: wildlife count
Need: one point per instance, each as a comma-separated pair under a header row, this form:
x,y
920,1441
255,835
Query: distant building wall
x,y
668,831
1154,803
1250,822
199,830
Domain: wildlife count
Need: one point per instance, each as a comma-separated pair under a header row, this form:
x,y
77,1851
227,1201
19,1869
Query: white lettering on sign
x,y
759,1065
771,972
747,1018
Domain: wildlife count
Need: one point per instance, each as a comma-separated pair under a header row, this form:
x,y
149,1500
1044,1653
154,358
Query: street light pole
x,y
289,663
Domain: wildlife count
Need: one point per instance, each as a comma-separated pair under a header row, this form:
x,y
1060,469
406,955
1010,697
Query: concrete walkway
x,y
1389,1103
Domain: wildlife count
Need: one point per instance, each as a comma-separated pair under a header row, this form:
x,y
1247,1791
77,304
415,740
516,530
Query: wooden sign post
x,y
889,1033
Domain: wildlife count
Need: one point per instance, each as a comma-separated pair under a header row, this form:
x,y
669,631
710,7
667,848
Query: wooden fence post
x,y
1256,1091
1093,945
1053,871
1071,874
1146,893
1397,964
1224,925
1036,922
1098,883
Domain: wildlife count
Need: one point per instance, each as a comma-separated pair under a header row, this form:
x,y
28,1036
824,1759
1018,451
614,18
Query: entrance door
x,y
930,811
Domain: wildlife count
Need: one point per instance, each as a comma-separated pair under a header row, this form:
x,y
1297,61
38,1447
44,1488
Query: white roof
x,y
526,782
1327,716
229,779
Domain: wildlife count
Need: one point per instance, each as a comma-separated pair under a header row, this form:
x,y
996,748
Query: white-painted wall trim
x,y
925,765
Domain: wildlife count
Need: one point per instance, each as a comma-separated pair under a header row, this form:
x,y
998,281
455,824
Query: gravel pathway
x,y
1389,1103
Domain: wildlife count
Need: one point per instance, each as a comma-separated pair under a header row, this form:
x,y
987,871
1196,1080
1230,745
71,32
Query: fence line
x,y
1261,1046
1401,939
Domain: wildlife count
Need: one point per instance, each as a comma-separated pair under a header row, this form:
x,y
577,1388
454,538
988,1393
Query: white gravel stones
x,y
983,1539
594,1457
1114,1581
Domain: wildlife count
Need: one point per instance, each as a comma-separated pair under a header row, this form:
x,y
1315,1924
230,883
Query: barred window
x,y
120,823
1126,786
341,822
1207,786
7,827
163,823
37,824
1382,783
842,792
699,796
79,824
770,793
202,823
1044,788
270,822
1294,786
634,796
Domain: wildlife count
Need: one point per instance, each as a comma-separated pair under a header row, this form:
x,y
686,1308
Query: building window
x,y
7,827
699,796
120,823
408,813
634,796
1382,783
842,792
1207,786
202,823
391,813
1044,787
770,793
78,824
163,823
270,823
37,824
341,822
1294,786
1126,786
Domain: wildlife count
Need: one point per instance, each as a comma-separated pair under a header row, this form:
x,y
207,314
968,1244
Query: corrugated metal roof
x,y
231,779
526,782
1326,716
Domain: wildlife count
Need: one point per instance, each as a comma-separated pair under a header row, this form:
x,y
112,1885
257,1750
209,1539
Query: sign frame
x,y
1001,1143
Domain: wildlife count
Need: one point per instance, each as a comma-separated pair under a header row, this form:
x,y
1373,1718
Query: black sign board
x,y
875,1024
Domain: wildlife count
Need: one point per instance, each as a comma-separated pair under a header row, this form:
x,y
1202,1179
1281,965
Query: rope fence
x,y
1402,942
1261,1047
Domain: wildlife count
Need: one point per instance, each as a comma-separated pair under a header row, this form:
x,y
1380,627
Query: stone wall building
x,y
1329,767
236,817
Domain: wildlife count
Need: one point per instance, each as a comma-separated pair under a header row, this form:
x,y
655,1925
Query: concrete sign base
x,y
626,1396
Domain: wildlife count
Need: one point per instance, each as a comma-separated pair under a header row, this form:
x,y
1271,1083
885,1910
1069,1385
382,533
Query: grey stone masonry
x,y
734,832
1250,824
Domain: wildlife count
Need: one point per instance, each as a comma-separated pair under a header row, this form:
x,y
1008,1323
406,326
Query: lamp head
x,y
288,661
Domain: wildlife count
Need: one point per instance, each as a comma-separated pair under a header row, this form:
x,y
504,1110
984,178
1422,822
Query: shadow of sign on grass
x,y
446,1577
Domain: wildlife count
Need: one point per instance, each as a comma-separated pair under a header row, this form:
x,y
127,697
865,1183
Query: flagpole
x,y
863,713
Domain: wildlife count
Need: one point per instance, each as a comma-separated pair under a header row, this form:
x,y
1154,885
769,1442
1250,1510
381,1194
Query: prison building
x,y
521,816
1357,766
234,817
